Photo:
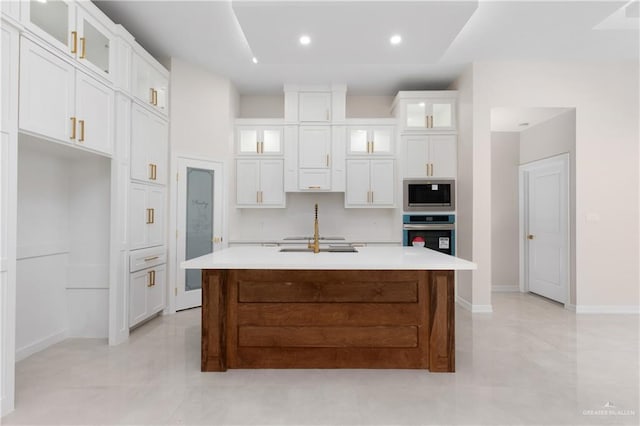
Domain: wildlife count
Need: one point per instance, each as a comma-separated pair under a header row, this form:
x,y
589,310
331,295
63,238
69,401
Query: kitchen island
x,y
382,307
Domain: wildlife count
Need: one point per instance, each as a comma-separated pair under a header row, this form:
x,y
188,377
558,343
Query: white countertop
x,y
367,258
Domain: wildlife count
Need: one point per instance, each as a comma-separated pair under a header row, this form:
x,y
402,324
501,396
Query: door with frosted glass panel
x,y
199,223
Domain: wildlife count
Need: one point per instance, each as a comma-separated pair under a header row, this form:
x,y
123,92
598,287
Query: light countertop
x,y
367,258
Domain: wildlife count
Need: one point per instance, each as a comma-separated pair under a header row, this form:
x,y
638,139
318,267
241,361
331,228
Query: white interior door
x,y
546,237
199,224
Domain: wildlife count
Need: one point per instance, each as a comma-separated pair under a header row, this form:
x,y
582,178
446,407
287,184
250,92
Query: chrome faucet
x,y
316,234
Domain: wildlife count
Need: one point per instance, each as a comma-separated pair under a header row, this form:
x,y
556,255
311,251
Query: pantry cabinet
x,y
150,85
260,183
61,103
147,284
146,216
370,140
430,156
149,146
80,34
370,183
259,140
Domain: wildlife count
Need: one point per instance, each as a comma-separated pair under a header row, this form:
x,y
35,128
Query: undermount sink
x,y
328,250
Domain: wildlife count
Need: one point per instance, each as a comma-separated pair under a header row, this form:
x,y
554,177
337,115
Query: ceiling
x,y
517,119
350,39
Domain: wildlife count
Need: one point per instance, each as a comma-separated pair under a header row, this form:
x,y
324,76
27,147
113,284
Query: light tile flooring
x,y
530,362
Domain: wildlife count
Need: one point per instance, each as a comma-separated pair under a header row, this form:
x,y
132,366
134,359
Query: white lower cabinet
x,y
146,216
147,286
370,183
430,156
260,183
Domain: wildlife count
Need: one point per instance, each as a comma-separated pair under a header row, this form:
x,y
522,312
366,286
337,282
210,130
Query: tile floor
x,y
530,362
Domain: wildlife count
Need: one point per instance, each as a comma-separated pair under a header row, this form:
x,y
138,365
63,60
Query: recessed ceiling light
x,y
255,60
395,39
421,104
305,40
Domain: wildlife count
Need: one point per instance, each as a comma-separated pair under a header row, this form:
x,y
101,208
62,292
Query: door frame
x,y
173,266
523,169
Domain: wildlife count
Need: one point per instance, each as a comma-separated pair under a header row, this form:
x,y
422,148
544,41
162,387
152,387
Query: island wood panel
x,y
214,314
327,314
317,289
433,325
328,337
442,322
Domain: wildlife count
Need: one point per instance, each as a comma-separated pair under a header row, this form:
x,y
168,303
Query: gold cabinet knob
x,y
530,237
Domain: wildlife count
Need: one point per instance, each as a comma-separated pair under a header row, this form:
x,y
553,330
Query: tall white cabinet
x,y
87,107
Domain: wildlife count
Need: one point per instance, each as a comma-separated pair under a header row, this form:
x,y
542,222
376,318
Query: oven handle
x,y
425,227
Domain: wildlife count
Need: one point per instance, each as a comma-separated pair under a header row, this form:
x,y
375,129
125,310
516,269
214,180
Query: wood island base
x,y
327,319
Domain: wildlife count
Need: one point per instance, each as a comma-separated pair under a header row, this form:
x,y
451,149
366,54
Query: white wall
x,y
202,110
505,157
465,191
605,97
548,139
272,106
267,106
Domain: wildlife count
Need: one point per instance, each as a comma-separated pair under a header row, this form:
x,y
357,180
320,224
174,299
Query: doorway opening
x,y
521,138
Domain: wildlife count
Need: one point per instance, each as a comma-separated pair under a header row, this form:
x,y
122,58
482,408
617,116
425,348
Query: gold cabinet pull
x,y
155,97
152,278
73,128
431,169
149,259
151,216
426,166
327,160
262,147
371,197
257,197
74,42
314,187
151,95
372,147
530,237
83,48
153,171
81,123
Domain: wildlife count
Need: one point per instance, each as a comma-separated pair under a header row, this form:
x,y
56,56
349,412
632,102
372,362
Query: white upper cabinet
x,y
314,147
370,183
260,183
80,31
366,140
94,111
314,107
259,140
61,103
430,156
426,111
149,146
150,84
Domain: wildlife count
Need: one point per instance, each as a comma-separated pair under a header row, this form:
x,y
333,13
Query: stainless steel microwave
x,y
429,195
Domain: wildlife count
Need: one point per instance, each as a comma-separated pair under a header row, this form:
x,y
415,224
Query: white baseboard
x,y
474,309
41,344
4,407
505,289
608,309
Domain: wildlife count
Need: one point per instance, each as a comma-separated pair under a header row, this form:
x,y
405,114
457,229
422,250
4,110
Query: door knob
x,y
530,237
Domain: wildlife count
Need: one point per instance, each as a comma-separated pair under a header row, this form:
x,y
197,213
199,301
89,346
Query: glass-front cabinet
x,y
363,140
73,30
426,111
259,140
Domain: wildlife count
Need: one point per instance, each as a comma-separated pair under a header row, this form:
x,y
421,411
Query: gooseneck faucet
x,y
316,234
